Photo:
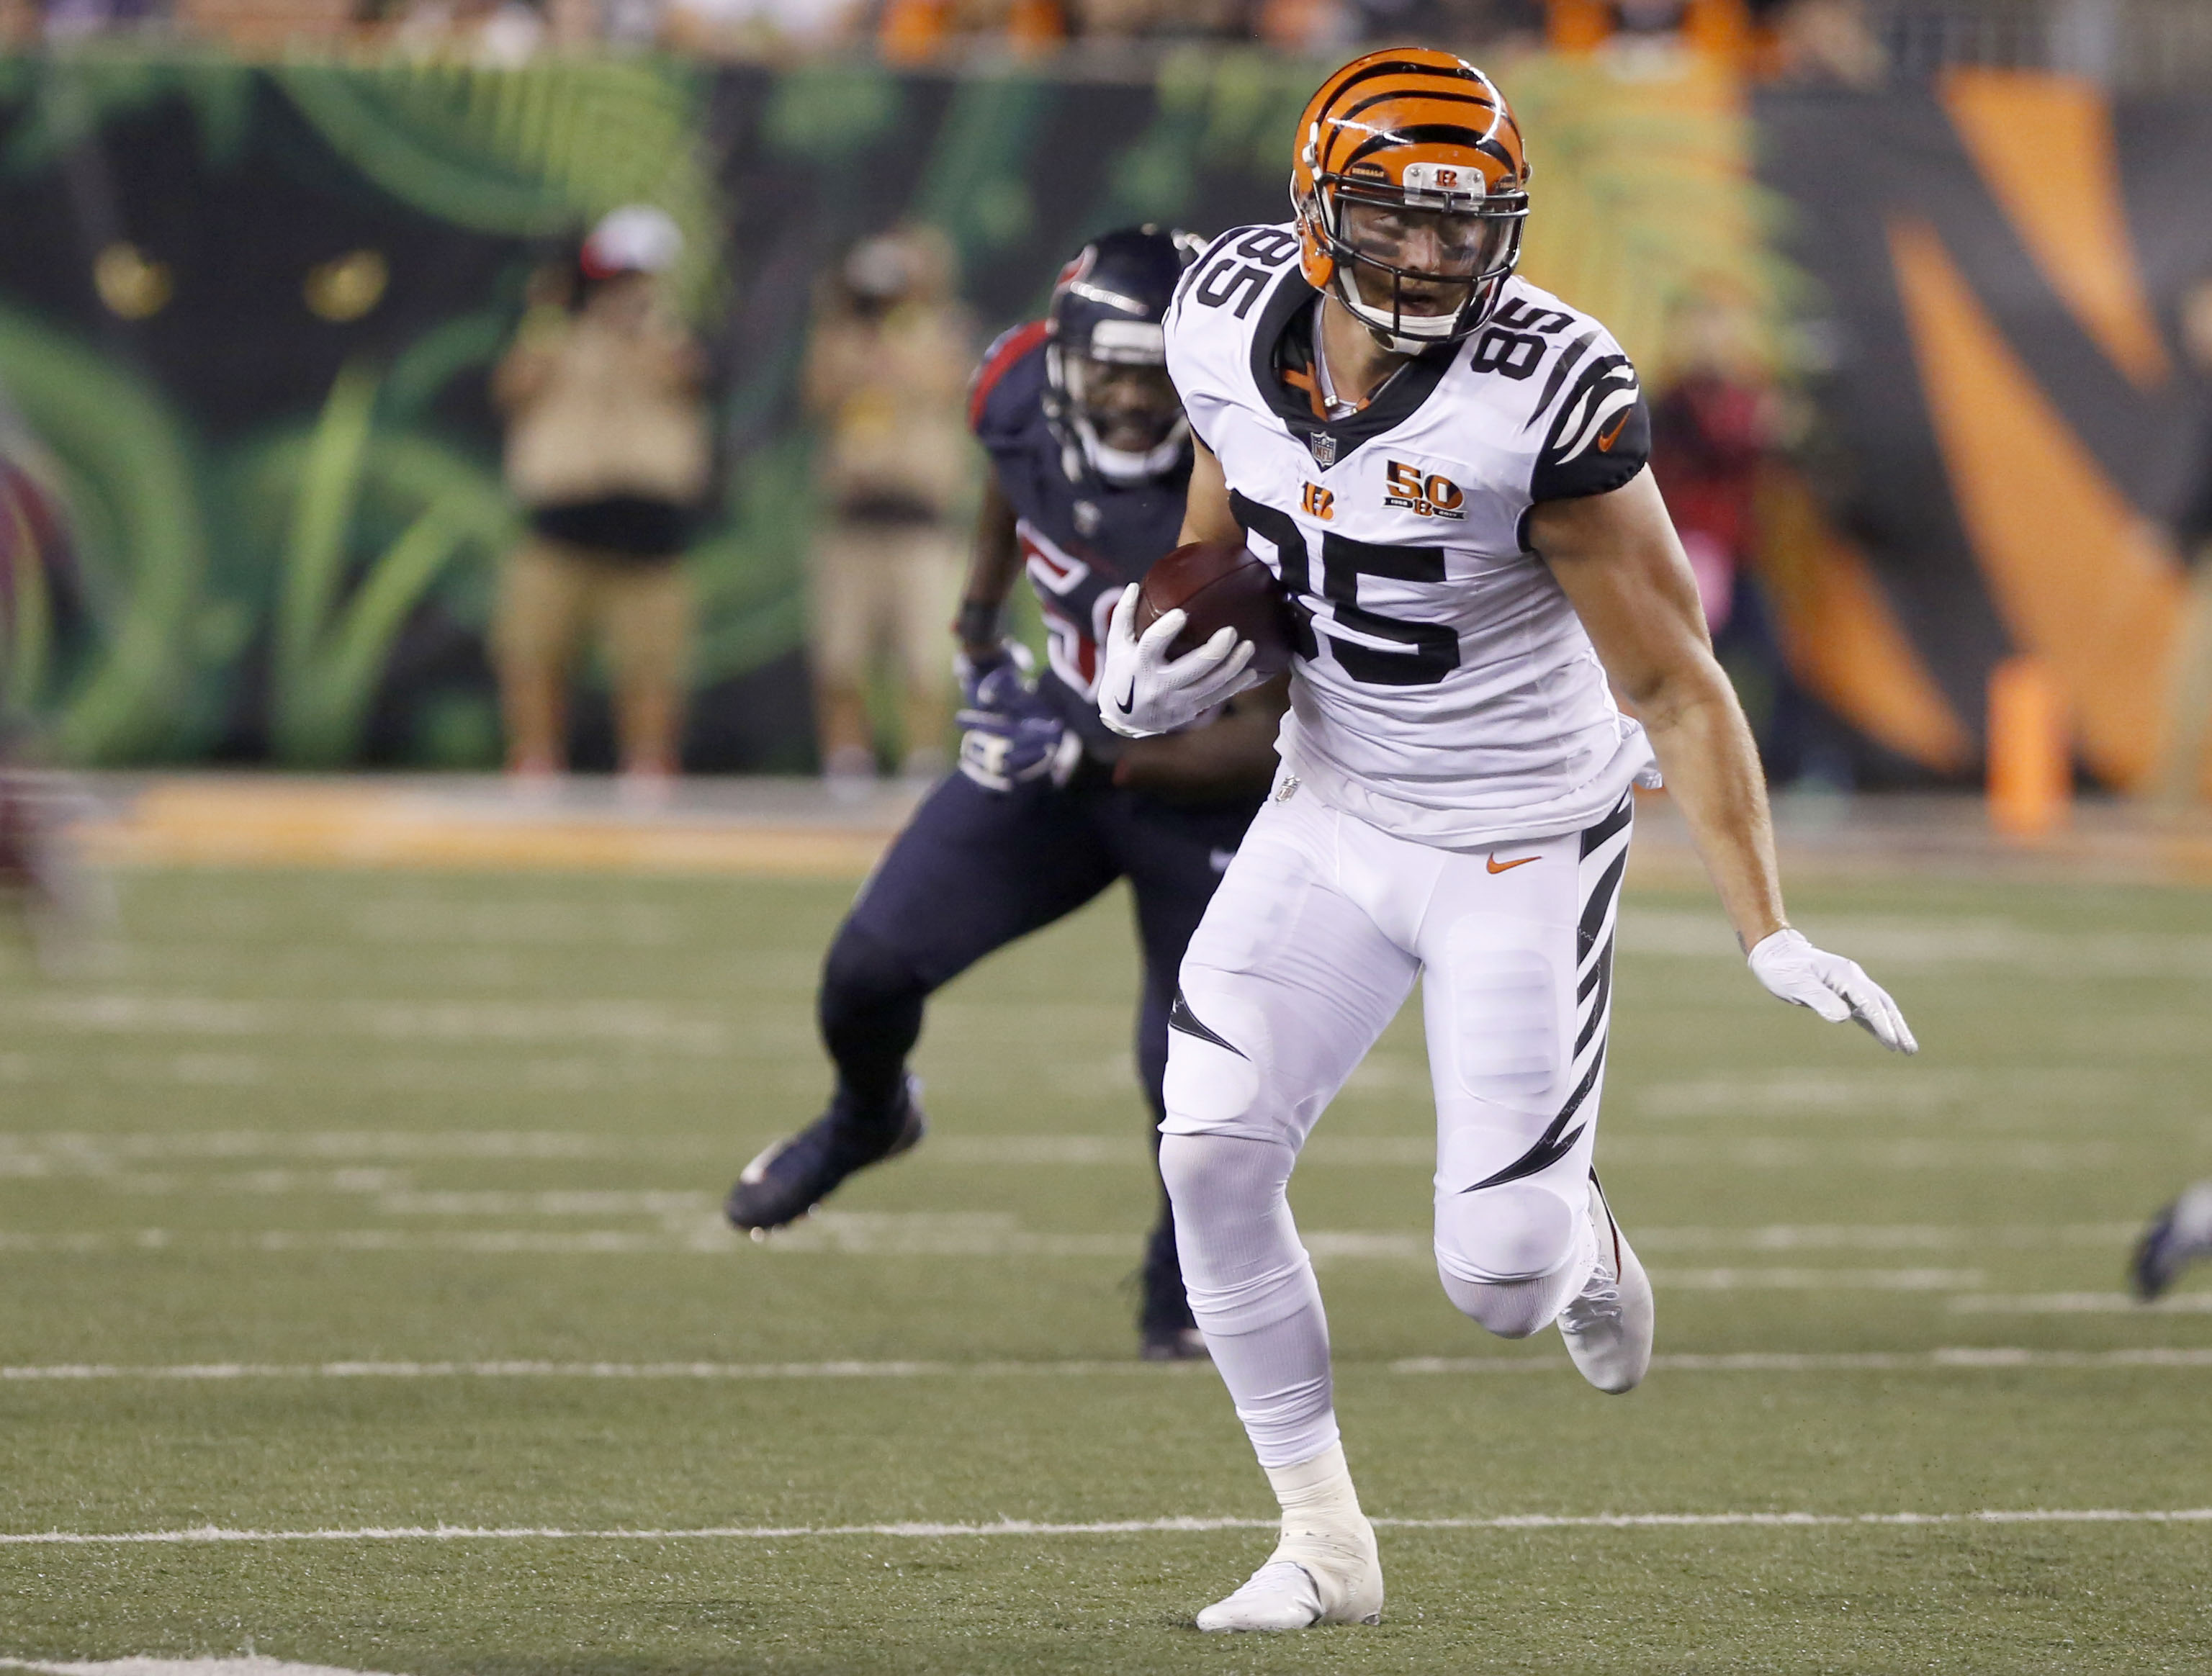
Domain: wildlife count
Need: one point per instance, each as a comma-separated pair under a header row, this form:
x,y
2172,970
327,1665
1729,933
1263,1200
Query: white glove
x,y
1142,691
1833,986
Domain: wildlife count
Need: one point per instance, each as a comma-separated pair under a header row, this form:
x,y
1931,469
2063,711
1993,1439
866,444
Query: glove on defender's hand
x,y
1833,986
1142,690
1008,734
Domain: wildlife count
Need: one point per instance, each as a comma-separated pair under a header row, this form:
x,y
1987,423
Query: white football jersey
x,y
1444,689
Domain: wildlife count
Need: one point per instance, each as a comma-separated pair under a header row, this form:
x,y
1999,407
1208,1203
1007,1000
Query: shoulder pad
x,y
1006,352
1190,273
1600,434
1583,399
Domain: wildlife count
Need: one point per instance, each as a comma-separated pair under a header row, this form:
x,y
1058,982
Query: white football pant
x,y
1308,948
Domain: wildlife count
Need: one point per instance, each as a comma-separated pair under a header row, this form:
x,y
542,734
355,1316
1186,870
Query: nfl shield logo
x,y
1324,448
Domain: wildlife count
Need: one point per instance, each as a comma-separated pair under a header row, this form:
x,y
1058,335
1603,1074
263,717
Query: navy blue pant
x,y
974,870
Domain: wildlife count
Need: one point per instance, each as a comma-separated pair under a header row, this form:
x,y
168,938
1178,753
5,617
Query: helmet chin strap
x,y
1123,465
1380,323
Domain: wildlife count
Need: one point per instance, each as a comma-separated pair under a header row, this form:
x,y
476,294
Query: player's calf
x,y
870,1011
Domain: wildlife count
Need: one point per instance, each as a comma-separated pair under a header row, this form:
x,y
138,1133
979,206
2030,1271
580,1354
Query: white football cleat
x,y
1313,1577
1608,1325
1279,1595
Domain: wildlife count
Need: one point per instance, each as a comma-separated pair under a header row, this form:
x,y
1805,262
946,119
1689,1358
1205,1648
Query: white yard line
x,y
1969,1358
93,1151
219,1371
475,1021
1938,945
1511,1522
693,1232
1817,1280
2078,1303
378,1145
1958,1358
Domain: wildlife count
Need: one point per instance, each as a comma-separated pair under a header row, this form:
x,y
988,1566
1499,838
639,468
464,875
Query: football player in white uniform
x,y
1445,467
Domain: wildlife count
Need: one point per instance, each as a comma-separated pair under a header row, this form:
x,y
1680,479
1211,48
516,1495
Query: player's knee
x,y
863,978
1215,1176
1501,1234
1244,1269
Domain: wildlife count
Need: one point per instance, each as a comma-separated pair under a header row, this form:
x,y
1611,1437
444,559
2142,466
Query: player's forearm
x,y
993,563
1704,748
1234,757
1208,513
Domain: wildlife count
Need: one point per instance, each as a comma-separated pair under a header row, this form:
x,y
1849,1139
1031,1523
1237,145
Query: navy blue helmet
x,y
1108,396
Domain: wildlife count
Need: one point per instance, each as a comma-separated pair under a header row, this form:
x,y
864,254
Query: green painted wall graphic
x,y
247,313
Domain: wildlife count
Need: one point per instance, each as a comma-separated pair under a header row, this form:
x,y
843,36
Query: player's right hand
x,y
1836,988
1142,690
1008,734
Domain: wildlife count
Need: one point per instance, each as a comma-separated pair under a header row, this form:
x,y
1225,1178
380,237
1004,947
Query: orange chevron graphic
x,y
2043,146
2073,569
1842,638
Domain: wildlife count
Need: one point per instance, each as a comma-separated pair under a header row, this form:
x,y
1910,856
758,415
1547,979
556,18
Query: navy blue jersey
x,y
1083,540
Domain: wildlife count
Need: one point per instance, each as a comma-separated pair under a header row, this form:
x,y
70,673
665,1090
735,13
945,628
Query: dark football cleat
x,y
2177,1236
798,1172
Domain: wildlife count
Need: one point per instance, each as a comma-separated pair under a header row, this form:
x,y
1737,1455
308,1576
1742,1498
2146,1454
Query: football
x,y
1220,584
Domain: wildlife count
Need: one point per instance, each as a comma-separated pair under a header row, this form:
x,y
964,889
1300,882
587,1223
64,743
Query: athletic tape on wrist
x,y
977,625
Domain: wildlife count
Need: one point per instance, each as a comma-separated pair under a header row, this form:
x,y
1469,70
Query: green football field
x,y
366,1304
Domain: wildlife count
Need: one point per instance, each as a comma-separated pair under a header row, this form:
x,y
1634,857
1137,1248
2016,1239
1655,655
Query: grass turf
x,y
300,1119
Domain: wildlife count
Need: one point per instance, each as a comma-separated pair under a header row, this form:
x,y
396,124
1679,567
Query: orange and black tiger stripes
x,y
1401,103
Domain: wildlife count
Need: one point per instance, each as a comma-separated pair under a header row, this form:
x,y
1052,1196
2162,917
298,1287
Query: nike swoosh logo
x,y
1606,437
1497,866
1129,701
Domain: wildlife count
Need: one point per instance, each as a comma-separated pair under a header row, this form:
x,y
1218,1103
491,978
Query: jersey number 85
x,y
1418,654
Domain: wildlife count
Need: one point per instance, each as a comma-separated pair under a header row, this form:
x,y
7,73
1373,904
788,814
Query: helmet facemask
x,y
1421,264
1119,401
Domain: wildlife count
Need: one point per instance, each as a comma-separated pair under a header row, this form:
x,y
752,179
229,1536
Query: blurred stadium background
x,y
361,1125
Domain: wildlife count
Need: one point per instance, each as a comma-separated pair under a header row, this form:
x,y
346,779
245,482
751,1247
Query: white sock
x,y
1325,1533
1316,1492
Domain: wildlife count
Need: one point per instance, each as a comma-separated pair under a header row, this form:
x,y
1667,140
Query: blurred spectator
x,y
885,378
1649,17
43,889
1713,431
1484,28
74,20
497,33
760,27
1823,43
607,449
1709,434
1313,28
1130,19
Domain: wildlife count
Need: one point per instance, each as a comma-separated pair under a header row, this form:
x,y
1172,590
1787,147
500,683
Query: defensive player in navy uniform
x,y
1445,467
1090,457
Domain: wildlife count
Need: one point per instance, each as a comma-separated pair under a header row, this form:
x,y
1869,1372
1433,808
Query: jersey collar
x,y
1290,305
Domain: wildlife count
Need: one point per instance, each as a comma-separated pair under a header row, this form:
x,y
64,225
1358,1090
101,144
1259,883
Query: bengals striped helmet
x,y
1411,187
